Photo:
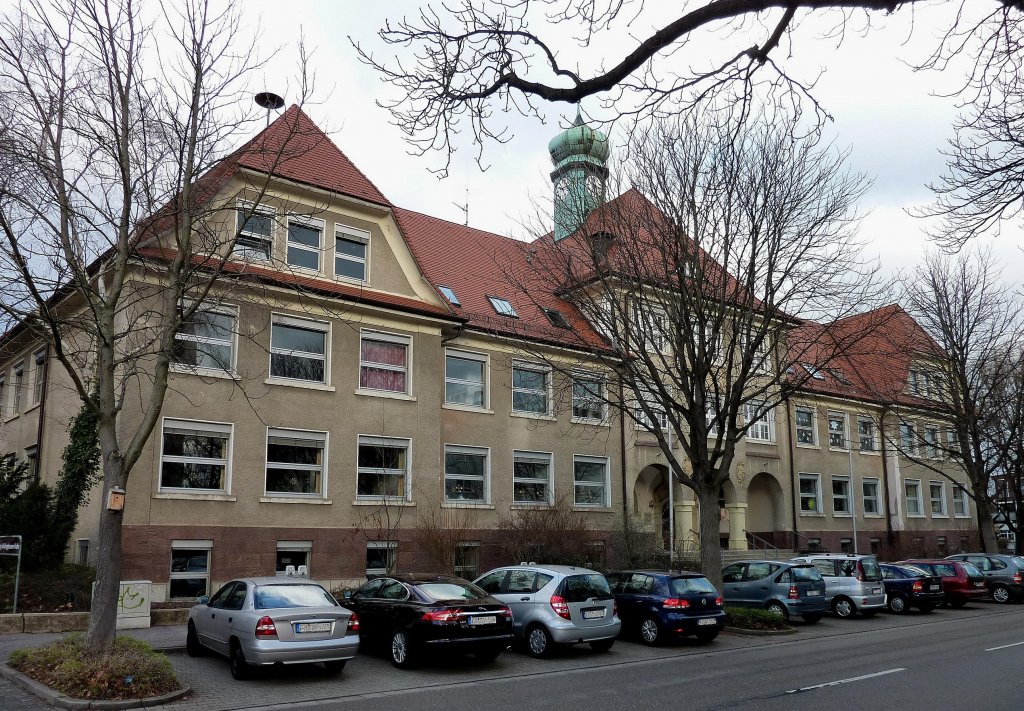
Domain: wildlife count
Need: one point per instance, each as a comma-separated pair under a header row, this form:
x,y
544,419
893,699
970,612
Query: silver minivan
x,y
555,605
853,583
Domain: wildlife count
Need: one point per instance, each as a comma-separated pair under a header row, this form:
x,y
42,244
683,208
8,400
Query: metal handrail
x,y
755,539
797,537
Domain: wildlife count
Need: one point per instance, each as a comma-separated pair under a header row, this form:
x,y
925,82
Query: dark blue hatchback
x,y
660,606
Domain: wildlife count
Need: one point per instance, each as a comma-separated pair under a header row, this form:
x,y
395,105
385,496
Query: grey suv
x,y
853,583
1003,574
787,589
555,605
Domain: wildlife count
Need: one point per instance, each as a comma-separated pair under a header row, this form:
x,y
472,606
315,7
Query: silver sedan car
x,y
280,620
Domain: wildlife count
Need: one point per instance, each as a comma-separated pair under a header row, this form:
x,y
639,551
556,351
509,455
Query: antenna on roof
x,y
269,101
465,207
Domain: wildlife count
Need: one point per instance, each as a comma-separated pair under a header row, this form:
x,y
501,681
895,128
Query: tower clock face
x,y
595,188
561,189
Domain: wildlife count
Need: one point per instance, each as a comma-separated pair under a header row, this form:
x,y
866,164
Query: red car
x,y
961,581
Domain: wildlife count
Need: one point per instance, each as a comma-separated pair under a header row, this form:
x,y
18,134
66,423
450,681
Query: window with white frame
x,y
465,378
190,569
195,455
467,559
866,434
762,422
19,384
588,398
255,230
841,495
590,479
305,243
40,377
836,430
806,432
298,349
295,461
531,386
908,438
383,467
937,498
961,509
384,362
917,383
660,416
381,557
82,557
466,474
351,247
870,489
531,477
810,493
293,555
952,442
912,491
931,441
206,340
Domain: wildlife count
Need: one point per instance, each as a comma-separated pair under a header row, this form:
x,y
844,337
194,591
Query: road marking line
x,y
1005,646
846,681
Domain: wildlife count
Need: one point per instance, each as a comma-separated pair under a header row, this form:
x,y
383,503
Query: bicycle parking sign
x,y
11,546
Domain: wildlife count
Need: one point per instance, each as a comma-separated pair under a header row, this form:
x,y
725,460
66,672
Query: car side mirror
x,y
203,600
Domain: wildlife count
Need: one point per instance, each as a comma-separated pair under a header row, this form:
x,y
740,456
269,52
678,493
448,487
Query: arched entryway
x,y
650,502
765,506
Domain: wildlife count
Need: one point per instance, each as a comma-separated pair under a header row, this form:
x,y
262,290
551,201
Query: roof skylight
x,y
449,294
556,317
502,306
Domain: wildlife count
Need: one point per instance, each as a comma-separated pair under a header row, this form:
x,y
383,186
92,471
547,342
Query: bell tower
x,y
579,155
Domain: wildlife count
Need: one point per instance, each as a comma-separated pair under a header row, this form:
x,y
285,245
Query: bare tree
x,y
114,118
439,531
695,278
1006,438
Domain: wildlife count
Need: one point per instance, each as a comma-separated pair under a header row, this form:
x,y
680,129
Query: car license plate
x,y
812,593
483,620
304,627
706,621
597,614
933,588
979,585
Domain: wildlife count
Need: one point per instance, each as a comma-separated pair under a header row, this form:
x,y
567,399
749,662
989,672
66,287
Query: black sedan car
x,y
415,616
907,586
659,606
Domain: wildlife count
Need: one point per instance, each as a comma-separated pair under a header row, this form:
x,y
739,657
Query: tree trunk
x,y
986,526
710,544
103,616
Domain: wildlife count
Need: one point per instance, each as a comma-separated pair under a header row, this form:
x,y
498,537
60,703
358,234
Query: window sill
x,y
807,446
838,449
869,452
873,515
383,502
466,408
811,514
842,515
31,407
204,372
270,499
466,505
299,384
592,509
530,507
935,515
386,394
351,281
961,516
750,440
533,416
194,497
910,515
15,416
590,423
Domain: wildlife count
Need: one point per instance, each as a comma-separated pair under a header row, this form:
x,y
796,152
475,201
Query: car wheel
x,y
538,641
602,645
811,619
925,609
844,607
192,644
489,655
1001,594
957,604
707,635
897,604
401,650
240,668
650,633
335,666
777,608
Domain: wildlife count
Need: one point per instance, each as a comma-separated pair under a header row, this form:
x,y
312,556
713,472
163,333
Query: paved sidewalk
x,y
166,638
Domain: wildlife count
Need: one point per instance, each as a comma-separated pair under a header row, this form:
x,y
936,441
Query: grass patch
x,y
131,671
759,620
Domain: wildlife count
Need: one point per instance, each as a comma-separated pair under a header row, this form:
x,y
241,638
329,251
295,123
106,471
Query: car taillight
x,y
918,586
560,606
794,594
1016,579
718,601
676,603
615,608
353,624
505,612
444,616
265,627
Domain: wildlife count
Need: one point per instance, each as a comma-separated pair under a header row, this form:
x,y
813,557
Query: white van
x,y
853,583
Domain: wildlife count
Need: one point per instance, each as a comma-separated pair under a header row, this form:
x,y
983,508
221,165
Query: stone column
x,y
684,522
737,526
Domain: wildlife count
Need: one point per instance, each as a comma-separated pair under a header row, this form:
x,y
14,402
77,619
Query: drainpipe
x,y
42,408
885,477
622,456
794,486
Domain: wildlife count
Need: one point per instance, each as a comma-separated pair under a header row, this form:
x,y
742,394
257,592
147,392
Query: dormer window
x,y
304,243
350,248
502,306
448,293
556,318
255,228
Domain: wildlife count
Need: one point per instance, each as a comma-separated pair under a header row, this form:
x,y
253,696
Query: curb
x,y
56,698
762,633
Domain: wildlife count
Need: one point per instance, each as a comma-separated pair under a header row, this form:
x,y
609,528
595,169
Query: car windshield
x,y
580,588
872,573
1018,561
450,590
686,586
292,595
971,569
805,574
913,570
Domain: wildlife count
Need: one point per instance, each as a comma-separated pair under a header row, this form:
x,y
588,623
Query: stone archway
x,y
765,506
650,502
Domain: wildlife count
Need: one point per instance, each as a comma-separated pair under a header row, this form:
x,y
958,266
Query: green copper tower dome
x,y
579,154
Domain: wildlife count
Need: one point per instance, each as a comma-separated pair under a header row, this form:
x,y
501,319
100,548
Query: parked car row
x,y
288,620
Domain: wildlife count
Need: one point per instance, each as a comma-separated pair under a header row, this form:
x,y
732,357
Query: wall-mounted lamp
x,y
115,499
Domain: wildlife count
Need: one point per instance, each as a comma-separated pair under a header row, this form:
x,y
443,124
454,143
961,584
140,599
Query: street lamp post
x,y
853,495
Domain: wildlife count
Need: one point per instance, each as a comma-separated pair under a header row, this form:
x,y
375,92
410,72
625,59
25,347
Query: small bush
x,y
67,588
131,671
759,620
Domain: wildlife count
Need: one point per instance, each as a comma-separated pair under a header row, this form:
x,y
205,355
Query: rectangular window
x,y
190,569
942,546
3,392
350,250
531,478
295,461
915,506
841,495
466,474
298,350
590,478
846,545
961,509
467,560
40,378
82,557
810,493
588,399
383,362
806,432
503,306
206,340
381,557
304,243
914,383
32,458
195,455
254,234
530,389
931,441
556,318
465,378
937,498
908,438
711,414
644,421
866,434
871,497
293,558
837,430
383,467
952,442
876,546
762,427
19,383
